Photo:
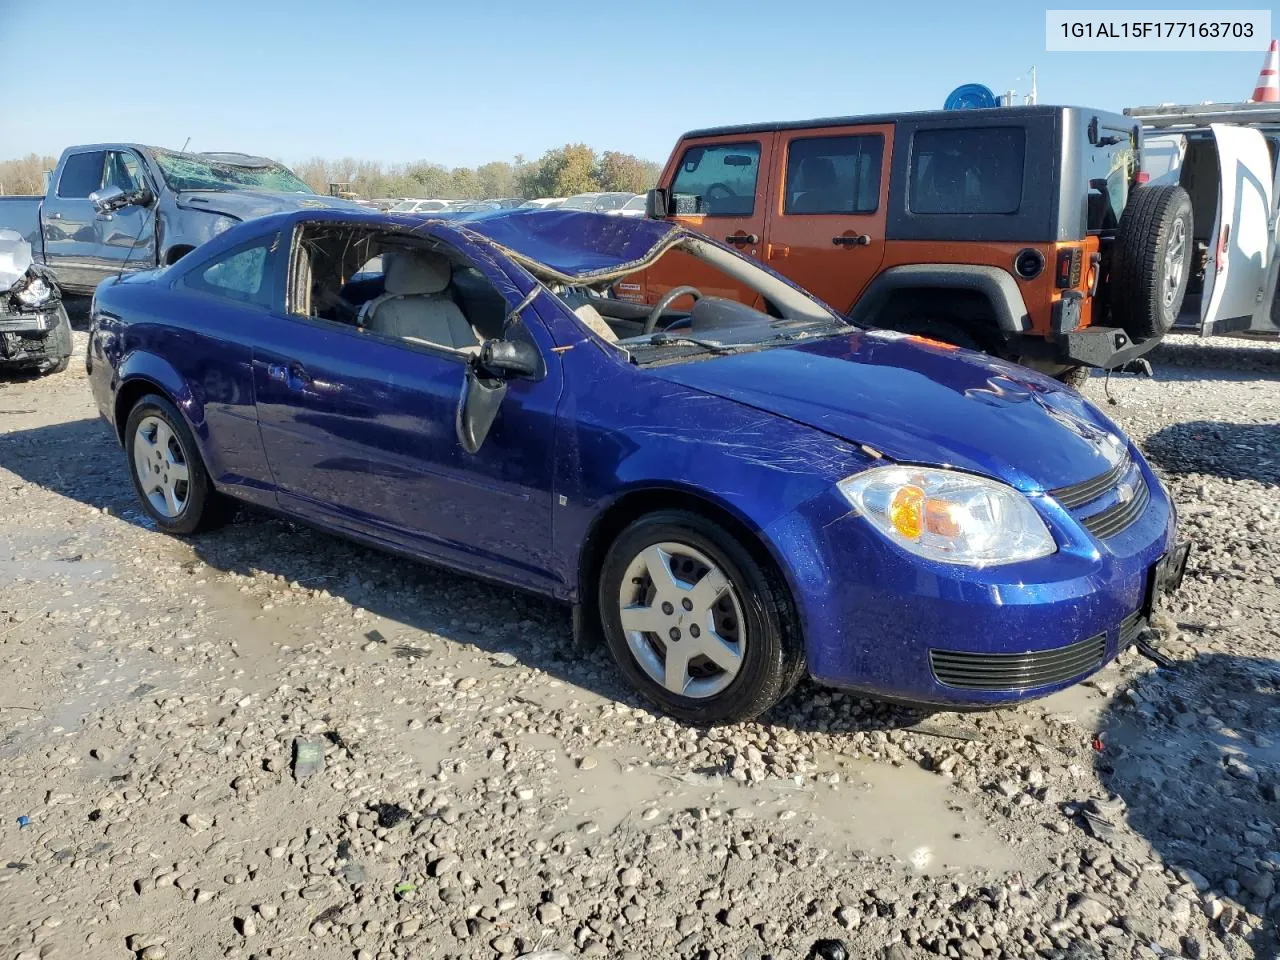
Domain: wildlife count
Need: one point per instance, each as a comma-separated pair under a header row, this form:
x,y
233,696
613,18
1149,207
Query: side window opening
x,y
243,275
717,180
967,171
834,175
403,288
81,175
122,171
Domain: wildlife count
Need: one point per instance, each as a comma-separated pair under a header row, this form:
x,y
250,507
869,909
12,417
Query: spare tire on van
x,y
1151,261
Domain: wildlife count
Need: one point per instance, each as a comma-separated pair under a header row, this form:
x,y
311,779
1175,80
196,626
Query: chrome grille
x,y
1017,671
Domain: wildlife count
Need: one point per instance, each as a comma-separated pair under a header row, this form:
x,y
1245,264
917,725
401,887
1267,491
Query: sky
x,y
463,83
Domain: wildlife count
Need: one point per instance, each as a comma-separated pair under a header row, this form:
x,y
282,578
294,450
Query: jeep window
x,y
717,180
834,175
189,171
1110,166
967,171
81,174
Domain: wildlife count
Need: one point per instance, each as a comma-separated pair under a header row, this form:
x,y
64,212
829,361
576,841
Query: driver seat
x,y
416,304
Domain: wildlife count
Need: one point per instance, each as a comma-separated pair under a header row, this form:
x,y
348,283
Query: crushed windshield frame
x,y
216,175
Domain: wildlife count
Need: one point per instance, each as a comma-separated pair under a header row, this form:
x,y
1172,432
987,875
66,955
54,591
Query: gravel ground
x,y
266,742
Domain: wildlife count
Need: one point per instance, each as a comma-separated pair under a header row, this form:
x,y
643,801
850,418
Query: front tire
x,y
695,623
168,475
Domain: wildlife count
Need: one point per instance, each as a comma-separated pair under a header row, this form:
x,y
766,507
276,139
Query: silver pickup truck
x,y
112,207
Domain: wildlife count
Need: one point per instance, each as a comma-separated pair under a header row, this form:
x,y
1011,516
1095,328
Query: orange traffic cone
x,y
1268,88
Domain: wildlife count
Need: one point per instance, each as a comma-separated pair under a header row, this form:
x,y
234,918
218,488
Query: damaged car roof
x,y
570,245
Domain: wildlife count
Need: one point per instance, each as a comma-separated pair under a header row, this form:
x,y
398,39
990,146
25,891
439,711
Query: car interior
x,y
415,289
718,319
420,290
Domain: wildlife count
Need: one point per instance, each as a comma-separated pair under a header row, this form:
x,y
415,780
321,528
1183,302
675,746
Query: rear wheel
x,y
694,622
1152,261
168,475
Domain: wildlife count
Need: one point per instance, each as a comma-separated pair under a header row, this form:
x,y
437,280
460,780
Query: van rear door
x,y
1242,244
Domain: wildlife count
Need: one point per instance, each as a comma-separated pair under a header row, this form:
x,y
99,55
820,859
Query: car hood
x,y
251,204
919,402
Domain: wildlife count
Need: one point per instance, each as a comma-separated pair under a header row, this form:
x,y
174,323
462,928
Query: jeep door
x,y
717,186
827,204
1242,245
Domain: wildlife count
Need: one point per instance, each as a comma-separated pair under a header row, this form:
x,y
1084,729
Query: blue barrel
x,y
970,96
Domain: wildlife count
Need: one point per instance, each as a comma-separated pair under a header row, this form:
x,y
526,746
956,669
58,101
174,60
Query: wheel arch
x,y
903,284
143,373
639,501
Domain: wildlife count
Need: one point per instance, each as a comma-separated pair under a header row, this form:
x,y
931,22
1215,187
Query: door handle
x,y
742,239
293,375
851,240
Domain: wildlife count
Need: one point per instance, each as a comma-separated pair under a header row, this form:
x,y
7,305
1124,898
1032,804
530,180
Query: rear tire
x,y
168,475
1152,261
751,624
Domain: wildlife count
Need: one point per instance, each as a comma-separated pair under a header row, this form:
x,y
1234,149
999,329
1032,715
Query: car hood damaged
x,y
24,284
574,246
251,204
919,402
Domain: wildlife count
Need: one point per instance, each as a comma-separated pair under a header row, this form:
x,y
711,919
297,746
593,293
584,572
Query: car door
x,y
126,236
360,434
69,220
1243,238
717,187
827,209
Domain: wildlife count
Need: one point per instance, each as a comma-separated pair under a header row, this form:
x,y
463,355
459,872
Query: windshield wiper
x,y
664,339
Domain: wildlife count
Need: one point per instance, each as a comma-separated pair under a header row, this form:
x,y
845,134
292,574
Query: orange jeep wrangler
x,y
1021,231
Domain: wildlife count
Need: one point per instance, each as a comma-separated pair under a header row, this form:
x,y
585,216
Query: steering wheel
x,y
671,296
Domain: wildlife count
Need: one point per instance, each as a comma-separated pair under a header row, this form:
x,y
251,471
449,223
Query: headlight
x,y
34,293
948,516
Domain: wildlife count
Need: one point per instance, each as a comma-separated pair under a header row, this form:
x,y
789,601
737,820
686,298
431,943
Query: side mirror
x,y
143,197
657,204
510,358
112,198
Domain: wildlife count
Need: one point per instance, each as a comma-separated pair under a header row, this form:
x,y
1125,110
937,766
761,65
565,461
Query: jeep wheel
x,y
1152,261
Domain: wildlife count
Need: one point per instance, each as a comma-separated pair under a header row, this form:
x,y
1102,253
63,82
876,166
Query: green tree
x,y
428,180
561,172
464,183
497,179
622,171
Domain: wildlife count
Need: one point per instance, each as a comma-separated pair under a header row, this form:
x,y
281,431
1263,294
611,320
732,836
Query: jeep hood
x,y
919,402
251,204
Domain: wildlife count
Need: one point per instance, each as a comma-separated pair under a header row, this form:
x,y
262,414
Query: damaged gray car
x,y
35,333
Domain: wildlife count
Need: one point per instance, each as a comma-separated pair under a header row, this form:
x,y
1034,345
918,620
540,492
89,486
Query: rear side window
x,y
717,180
81,174
967,171
834,175
243,275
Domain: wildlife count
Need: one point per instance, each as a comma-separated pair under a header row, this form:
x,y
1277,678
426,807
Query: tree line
x,y
560,172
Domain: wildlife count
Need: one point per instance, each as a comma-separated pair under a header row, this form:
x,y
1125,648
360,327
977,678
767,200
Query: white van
x,y
1224,156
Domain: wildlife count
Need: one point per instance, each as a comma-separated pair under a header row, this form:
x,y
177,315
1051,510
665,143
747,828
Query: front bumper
x,y
886,623
33,336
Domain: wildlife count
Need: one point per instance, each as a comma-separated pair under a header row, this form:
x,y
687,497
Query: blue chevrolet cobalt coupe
x,y
731,486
